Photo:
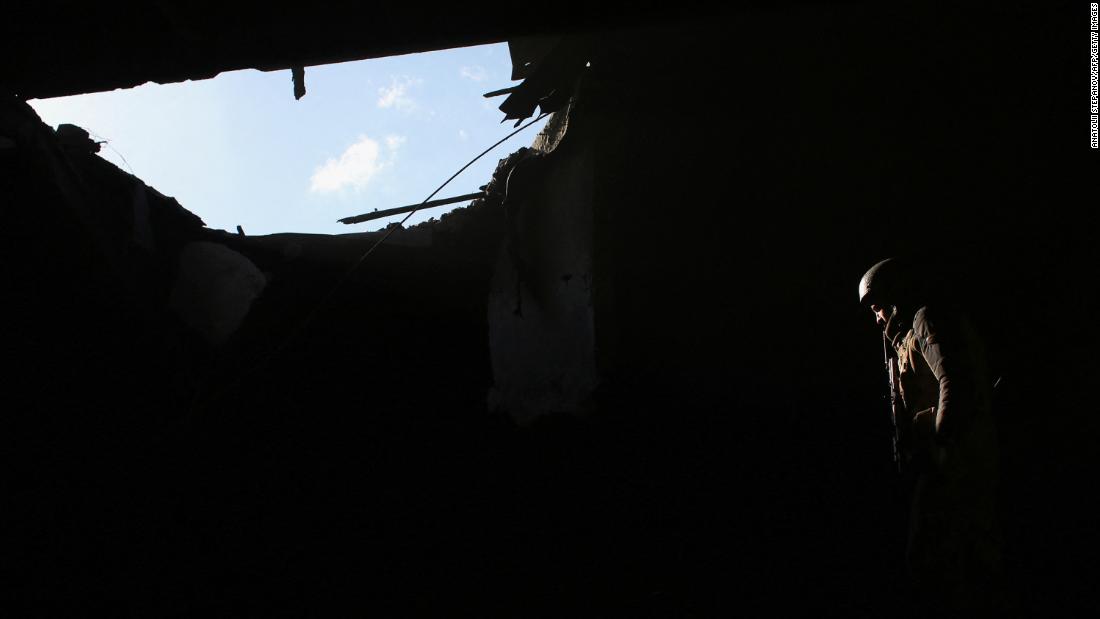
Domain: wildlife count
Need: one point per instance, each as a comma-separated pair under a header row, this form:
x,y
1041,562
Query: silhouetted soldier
x,y
946,442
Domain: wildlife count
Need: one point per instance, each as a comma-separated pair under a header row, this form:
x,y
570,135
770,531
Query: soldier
x,y
946,442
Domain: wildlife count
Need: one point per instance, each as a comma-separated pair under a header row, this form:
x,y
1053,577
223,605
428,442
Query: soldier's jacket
x,y
947,392
948,432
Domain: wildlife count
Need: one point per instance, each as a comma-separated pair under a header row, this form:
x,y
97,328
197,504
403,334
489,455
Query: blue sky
x,y
238,149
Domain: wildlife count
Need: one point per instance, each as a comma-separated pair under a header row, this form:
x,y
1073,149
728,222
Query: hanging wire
x,y
347,274
108,143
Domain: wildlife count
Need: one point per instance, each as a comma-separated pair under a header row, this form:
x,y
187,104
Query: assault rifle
x,y
896,404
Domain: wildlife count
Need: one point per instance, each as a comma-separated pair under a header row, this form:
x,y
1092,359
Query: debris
x,y
298,74
549,68
497,93
377,214
214,289
73,138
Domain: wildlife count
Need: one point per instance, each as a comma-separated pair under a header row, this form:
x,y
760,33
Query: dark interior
x,y
337,456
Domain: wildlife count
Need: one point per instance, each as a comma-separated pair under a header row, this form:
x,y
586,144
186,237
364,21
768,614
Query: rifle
x,y
896,405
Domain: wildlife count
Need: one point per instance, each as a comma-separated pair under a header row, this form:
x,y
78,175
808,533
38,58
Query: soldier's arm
x,y
943,345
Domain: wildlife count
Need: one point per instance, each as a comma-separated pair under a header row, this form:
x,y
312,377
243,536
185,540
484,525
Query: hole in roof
x,y
239,150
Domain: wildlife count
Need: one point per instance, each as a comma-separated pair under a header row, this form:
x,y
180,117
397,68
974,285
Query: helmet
x,y
886,283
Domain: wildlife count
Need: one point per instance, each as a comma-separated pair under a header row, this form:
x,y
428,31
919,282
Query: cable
x,y
309,318
430,196
108,143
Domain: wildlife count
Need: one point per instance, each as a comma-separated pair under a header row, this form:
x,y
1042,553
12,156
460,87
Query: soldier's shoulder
x,y
933,319
924,318
939,312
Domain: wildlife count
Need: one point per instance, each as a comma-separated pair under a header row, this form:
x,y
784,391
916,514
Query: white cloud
x,y
393,142
462,135
396,95
355,168
476,73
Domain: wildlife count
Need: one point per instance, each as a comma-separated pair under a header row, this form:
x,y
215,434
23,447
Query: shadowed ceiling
x,y
57,48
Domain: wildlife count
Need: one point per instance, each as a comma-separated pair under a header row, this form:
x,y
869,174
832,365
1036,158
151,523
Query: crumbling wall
x,y
148,454
541,329
214,289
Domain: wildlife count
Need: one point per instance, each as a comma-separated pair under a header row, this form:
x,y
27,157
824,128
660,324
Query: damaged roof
x,y
54,48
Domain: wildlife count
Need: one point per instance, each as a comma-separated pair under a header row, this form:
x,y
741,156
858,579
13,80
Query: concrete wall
x,y
541,330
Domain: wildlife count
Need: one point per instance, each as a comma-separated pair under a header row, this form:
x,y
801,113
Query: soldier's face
x,y
882,315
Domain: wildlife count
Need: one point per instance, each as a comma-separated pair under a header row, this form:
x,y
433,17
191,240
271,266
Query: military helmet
x,y
884,283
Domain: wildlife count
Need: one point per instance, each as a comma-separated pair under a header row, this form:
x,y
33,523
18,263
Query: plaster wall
x,y
540,313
